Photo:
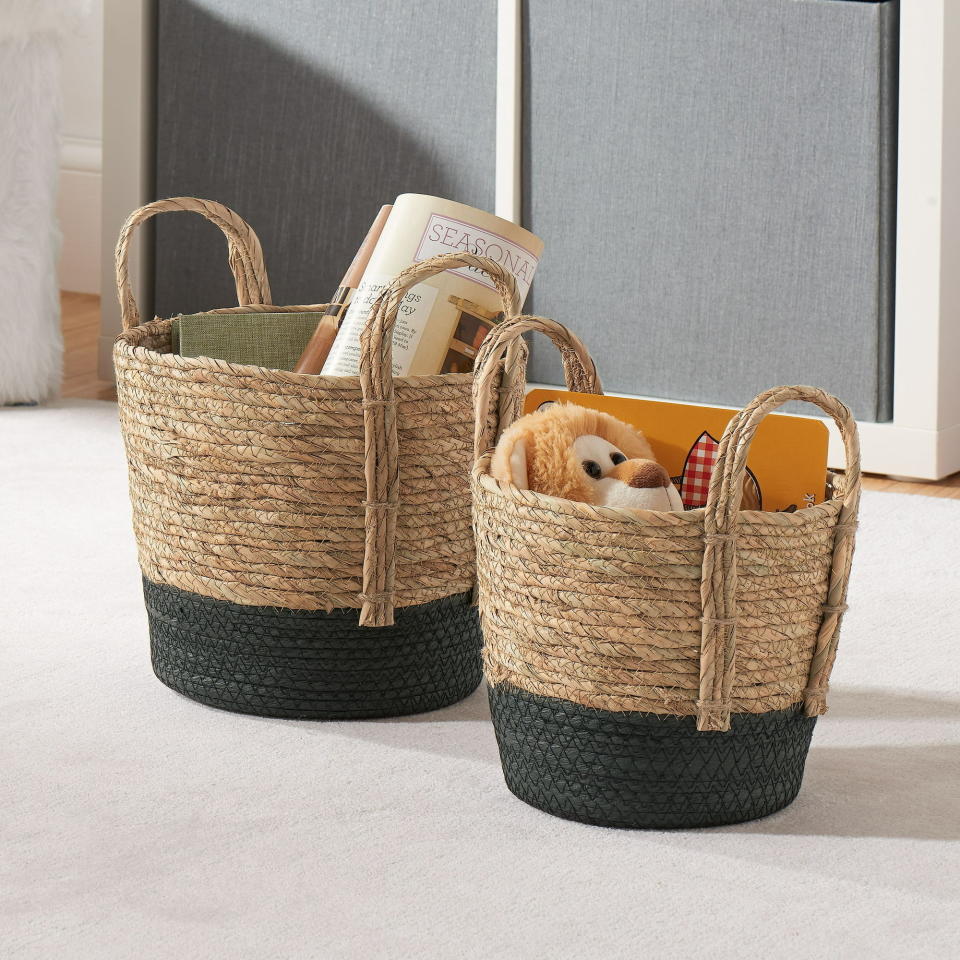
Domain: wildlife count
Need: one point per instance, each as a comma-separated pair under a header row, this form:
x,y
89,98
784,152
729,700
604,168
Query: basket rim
x,y
126,345
480,476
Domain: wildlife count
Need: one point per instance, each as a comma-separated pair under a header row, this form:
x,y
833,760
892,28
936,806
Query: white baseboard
x,y
78,210
895,450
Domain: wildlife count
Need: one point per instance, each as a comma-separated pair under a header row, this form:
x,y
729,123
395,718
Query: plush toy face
x,y
579,454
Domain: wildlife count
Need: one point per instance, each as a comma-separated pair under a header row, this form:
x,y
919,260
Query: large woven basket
x,y
656,669
305,541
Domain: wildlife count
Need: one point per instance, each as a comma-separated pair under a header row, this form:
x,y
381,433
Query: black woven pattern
x,y
643,769
313,665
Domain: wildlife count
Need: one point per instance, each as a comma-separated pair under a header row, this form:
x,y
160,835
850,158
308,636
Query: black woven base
x,y
313,665
643,769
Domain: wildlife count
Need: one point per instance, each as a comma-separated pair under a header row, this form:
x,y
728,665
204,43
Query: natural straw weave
x,y
275,489
707,612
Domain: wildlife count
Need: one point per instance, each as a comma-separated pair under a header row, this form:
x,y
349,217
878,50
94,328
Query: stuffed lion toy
x,y
569,451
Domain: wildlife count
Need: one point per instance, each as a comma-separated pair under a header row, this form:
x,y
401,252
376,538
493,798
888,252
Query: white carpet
x,y
138,824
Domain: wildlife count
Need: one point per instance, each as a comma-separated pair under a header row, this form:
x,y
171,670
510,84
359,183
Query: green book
x,y
273,340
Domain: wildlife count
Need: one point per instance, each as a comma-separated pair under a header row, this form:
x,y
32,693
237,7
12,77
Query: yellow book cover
x,y
787,464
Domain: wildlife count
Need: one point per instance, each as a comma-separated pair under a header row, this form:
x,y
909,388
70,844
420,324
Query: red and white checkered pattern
x,y
695,482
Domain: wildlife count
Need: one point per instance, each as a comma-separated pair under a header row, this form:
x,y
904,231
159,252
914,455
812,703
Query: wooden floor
x,y
81,329
80,318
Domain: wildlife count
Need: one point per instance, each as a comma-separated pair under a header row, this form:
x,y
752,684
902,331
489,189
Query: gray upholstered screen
x,y
305,116
713,178
714,183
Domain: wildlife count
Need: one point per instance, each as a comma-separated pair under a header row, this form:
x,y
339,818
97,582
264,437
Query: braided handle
x,y
495,383
719,579
243,252
380,422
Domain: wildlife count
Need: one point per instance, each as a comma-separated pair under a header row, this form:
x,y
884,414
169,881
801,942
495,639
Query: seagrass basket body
x,y
657,669
304,541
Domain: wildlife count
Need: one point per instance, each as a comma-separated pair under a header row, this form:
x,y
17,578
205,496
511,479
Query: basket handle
x,y
380,422
719,579
499,379
243,252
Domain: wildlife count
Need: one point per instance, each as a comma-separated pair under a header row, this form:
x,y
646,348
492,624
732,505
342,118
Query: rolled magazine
x,y
442,320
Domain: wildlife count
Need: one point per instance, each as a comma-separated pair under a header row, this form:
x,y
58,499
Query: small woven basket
x,y
281,516
656,669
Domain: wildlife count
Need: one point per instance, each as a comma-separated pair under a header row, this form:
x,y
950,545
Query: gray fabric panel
x,y
305,116
713,180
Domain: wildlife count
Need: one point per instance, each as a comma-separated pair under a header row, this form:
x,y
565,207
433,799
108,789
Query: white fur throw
x,y
31,347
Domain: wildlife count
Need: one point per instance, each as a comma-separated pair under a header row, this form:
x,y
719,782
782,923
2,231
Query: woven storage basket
x,y
656,669
280,517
